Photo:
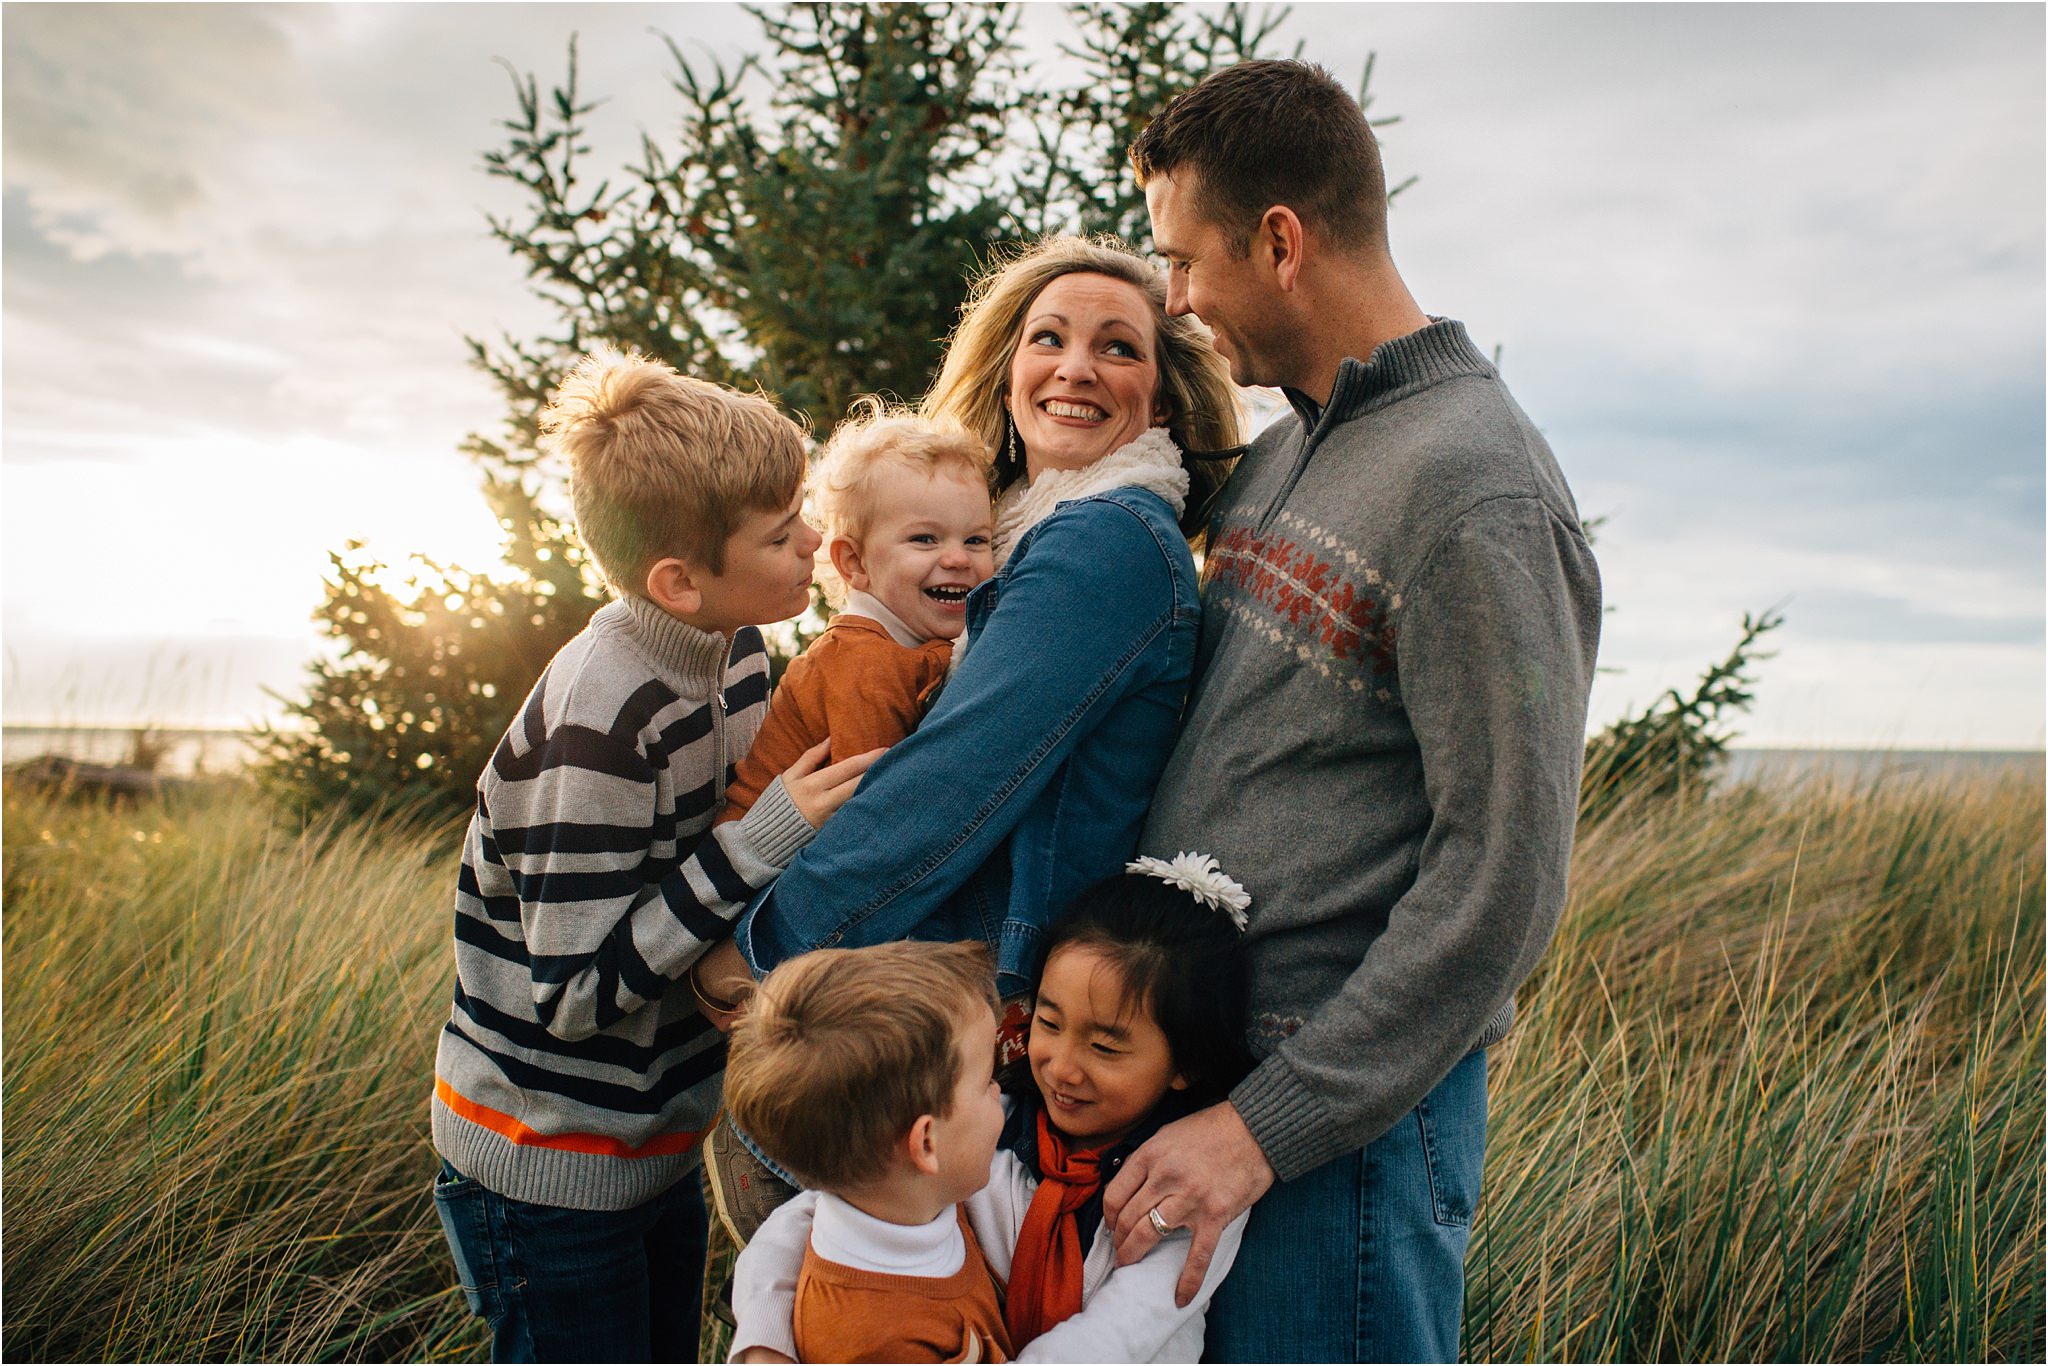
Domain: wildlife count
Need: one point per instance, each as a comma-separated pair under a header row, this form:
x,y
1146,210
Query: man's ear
x,y
923,1150
1179,1082
848,563
674,586
1279,240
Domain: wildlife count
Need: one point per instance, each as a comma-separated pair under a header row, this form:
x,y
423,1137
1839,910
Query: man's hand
x,y
762,1354
818,792
1199,1173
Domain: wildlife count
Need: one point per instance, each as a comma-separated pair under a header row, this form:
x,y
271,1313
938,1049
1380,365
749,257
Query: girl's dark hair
x,y
1180,961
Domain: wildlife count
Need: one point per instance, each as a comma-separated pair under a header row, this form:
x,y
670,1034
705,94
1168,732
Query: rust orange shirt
x,y
855,684
846,1314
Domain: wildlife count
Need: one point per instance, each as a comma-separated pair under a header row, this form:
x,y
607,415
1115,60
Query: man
x,y
1400,614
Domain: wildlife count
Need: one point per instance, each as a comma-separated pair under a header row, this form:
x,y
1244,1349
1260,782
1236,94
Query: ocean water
x,y
188,752
1794,765
185,753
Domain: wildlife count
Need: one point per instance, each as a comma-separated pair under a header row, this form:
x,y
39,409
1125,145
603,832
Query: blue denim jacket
x,y
1030,778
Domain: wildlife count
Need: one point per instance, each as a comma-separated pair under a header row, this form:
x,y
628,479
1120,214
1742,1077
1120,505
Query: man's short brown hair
x,y
663,465
842,1050
1272,132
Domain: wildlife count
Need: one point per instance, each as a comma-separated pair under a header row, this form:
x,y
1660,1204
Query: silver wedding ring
x,y
1159,1225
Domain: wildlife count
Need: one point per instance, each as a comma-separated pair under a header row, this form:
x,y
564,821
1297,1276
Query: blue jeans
x,y
1363,1259
576,1284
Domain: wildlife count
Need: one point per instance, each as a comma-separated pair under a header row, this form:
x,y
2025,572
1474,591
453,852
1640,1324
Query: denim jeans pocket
x,y
465,1218
1453,1122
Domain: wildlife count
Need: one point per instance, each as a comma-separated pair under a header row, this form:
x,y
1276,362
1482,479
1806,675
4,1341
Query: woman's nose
x,y
1077,367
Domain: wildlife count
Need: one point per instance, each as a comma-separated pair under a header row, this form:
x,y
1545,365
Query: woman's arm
x,y
1065,643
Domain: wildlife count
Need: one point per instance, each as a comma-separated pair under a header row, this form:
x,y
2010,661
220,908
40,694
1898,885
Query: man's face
x,y
1233,297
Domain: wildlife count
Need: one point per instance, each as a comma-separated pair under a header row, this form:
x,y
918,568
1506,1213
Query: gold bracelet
x,y
704,998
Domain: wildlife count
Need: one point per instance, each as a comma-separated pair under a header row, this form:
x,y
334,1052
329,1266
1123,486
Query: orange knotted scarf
x,y
1045,1273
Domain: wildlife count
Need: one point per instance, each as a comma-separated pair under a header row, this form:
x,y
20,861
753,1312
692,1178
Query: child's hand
x,y
721,976
818,792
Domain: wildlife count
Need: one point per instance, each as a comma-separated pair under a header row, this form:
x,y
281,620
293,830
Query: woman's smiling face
x,y
1085,376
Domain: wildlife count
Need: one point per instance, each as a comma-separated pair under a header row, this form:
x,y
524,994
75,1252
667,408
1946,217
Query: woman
x,y
1029,780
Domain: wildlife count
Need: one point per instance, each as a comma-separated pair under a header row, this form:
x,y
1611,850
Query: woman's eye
x,y
1123,348
1045,337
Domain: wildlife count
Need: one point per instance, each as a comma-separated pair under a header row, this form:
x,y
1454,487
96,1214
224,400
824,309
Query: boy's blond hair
x,y
662,465
842,1050
875,435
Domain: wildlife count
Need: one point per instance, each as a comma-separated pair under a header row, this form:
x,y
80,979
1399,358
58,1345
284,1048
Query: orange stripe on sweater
x,y
600,1145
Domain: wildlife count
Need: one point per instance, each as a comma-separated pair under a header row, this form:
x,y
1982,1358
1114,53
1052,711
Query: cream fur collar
x,y
1151,462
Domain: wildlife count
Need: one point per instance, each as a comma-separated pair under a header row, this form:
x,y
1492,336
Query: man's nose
x,y
1176,294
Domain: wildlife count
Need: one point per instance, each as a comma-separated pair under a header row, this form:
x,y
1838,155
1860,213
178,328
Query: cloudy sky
x,y
1770,279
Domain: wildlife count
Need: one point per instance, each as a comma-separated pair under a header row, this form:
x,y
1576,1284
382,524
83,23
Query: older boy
x,y
867,1073
573,1081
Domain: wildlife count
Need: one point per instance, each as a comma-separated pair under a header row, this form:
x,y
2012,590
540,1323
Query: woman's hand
x,y
762,1354
818,792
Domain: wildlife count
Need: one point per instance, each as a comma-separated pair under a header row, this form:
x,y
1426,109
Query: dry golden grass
x,y
1776,1093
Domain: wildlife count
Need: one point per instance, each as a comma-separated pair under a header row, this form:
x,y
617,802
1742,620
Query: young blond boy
x,y
572,1081
867,1074
909,526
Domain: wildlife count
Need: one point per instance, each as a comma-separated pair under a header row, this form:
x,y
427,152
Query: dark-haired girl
x,y
1138,1021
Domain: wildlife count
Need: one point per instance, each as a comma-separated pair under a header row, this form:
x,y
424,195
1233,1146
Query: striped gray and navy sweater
x,y
574,1069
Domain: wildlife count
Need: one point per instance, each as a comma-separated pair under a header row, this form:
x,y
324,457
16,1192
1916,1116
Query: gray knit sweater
x,y
1400,614
574,1070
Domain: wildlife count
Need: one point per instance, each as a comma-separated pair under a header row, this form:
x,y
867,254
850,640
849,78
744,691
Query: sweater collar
x,y
695,658
1150,462
868,605
843,1233
1429,355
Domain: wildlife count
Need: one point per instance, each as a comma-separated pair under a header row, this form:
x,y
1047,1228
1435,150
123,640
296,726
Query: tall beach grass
x,y
1776,1092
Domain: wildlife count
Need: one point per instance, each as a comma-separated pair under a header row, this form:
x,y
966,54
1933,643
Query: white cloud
x,y
1770,278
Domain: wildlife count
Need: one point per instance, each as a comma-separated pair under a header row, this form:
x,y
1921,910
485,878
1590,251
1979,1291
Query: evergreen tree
x,y
819,248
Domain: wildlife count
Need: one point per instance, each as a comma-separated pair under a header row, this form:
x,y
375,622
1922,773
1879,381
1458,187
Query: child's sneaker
x,y
743,1190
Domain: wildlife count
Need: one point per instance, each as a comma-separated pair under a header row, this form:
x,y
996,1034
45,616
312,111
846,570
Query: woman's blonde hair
x,y
1202,406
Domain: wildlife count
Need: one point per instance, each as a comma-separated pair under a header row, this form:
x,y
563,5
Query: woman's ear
x,y
848,563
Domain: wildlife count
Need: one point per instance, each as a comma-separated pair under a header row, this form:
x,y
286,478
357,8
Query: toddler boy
x,y
572,1081
867,1074
908,525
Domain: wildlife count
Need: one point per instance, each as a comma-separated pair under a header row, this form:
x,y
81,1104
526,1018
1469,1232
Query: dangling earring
x,y
1010,450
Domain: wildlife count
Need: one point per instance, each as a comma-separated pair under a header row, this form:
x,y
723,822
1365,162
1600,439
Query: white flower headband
x,y
1200,878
